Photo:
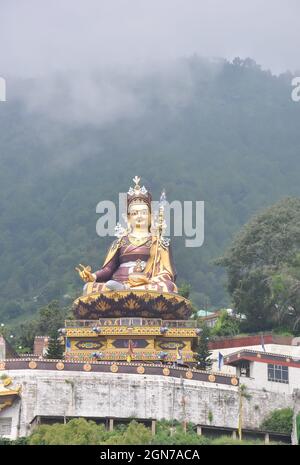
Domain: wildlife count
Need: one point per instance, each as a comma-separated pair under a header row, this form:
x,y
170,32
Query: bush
x,y
17,442
135,433
298,427
226,325
172,433
228,441
76,432
280,420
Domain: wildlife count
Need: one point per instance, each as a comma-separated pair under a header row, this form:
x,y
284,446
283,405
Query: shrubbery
x,y
82,432
280,420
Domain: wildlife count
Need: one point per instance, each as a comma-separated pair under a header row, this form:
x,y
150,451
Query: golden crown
x,y
138,194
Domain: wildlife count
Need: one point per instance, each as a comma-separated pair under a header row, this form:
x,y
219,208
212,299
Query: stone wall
x,y
100,395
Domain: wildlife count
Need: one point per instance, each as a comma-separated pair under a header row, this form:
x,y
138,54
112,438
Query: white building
x,y
265,370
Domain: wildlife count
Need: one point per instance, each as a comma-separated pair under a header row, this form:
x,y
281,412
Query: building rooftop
x,y
261,357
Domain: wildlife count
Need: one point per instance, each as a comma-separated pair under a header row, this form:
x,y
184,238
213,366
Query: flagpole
x,y
240,414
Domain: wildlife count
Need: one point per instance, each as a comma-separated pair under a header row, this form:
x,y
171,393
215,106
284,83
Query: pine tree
x,y
203,354
55,348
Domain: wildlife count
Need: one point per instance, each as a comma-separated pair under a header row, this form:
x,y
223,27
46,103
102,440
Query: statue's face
x,y
139,217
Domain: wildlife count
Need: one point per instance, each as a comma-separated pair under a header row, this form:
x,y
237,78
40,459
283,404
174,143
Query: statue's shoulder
x,y
164,242
115,245
119,242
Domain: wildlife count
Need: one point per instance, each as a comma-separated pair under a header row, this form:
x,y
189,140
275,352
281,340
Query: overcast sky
x,y
42,36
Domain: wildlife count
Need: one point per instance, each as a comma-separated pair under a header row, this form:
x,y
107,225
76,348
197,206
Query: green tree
x,y
25,334
285,288
55,347
49,319
259,261
179,437
203,354
82,432
22,441
280,420
226,325
12,309
185,290
298,427
76,432
135,433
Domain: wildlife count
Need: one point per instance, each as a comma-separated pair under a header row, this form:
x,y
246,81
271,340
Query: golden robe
x,y
158,273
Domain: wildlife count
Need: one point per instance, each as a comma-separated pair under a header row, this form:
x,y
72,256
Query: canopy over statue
x,y
139,259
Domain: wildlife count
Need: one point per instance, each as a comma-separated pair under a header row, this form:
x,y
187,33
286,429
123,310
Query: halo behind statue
x,y
128,303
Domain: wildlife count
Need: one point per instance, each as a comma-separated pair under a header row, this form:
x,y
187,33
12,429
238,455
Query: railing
x,y
179,323
130,322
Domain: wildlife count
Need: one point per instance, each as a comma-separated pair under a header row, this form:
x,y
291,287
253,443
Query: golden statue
x,y
140,258
131,306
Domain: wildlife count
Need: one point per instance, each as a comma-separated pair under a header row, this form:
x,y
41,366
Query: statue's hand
x,y
86,273
138,279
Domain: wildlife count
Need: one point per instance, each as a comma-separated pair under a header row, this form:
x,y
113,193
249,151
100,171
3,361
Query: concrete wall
x,y
126,395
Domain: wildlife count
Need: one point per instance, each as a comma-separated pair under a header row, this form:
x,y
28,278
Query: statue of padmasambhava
x,y
140,257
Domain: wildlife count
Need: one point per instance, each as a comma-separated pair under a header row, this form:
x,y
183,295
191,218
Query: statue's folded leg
x,y
110,285
158,283
115,285
163,285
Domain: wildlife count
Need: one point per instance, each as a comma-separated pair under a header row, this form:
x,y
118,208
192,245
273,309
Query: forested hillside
x,y
226,133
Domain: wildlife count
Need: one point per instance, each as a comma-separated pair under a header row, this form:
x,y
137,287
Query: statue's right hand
x,y
86,274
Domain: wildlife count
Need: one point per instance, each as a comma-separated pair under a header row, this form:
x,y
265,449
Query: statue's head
x,y
139,216
139,206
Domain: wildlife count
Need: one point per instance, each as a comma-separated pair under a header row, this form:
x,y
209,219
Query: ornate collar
x,y
138,241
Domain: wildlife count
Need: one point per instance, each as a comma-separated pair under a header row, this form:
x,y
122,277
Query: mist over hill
x,y
226,133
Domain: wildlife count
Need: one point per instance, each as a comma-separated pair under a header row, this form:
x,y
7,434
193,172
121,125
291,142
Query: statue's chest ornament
x,y
140,265
136,266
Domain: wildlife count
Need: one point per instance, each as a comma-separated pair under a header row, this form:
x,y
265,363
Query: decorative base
x,y
137,356
7,395
139,303
140,339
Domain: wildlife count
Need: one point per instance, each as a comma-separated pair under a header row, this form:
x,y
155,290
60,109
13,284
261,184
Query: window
x,y
5,426
278,373
245,369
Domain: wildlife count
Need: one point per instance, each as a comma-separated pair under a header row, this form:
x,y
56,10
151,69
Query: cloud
x,y
103,97
90,59
80,35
